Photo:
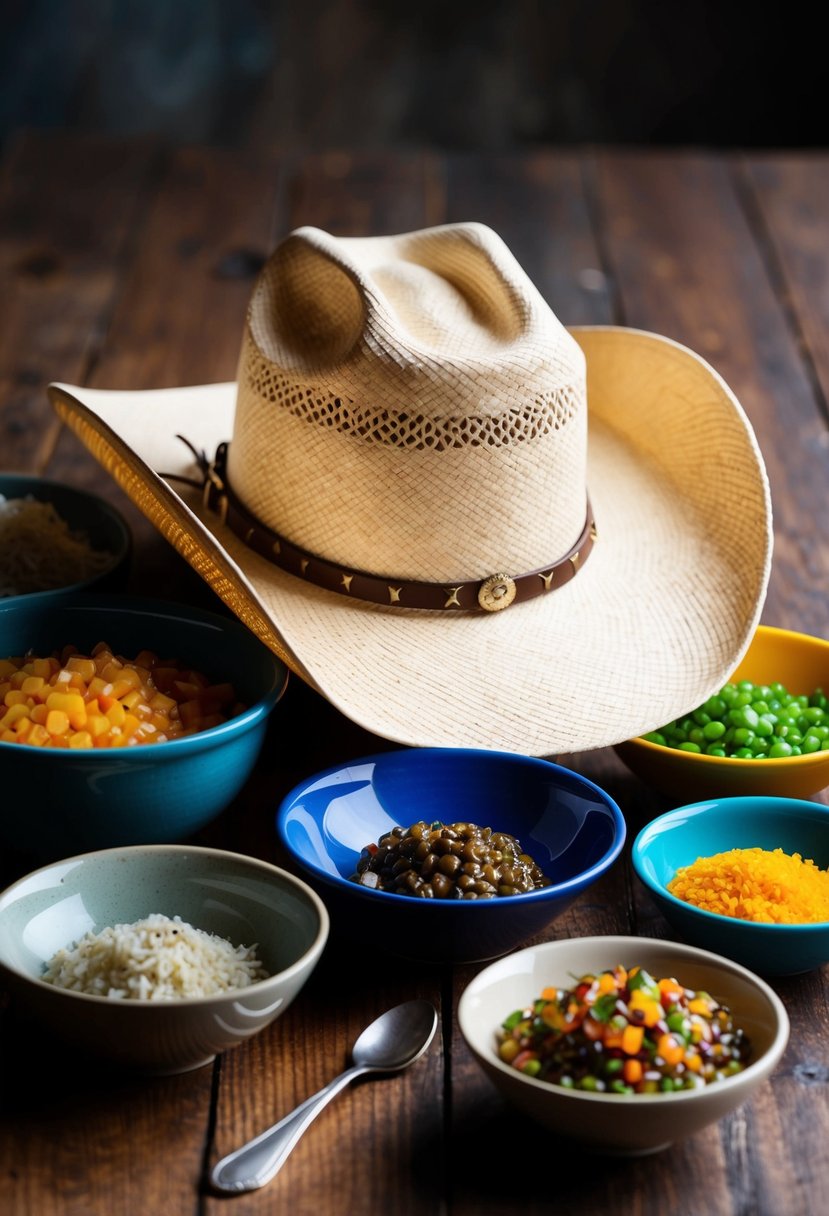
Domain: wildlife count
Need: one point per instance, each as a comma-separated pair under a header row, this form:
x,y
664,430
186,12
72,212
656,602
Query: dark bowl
x,y
103,526
571,828
59,801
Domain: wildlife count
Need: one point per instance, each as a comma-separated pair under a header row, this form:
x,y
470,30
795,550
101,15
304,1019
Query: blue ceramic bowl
x,y
571,828
103,526
705,828
55,802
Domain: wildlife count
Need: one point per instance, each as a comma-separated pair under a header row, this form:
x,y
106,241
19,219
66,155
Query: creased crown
x,y
410,406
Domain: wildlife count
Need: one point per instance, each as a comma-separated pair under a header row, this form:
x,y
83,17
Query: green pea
x,y
713,749
743,753
764,727
780,749
713,730
653,736
743,737
690,747
811,743
613,1066
588,1083
532,1068
715,707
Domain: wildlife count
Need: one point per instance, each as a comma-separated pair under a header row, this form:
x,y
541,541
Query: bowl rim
x,y
542,894
767,1062
813,758
770,803
121,553
193,1002
148,606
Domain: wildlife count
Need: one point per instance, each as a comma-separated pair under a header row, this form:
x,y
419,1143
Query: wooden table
x,y
128,266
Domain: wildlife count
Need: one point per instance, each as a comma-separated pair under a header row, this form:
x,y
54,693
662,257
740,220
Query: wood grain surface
x,y
130,267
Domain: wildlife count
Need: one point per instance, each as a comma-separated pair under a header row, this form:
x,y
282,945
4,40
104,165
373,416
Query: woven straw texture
x,y
409,406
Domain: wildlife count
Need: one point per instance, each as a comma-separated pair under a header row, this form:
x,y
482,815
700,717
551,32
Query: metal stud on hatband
x,y
394,594
223,505
276,548
574,561
248,535
496,592
303,565
547,579
345,582
453,601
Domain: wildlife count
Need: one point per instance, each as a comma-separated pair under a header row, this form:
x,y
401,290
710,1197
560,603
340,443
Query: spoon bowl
x,y
389,1044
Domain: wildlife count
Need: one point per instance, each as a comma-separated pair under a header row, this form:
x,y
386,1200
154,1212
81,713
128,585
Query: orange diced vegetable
x,y
57,722
632,1037
105,700
632,1072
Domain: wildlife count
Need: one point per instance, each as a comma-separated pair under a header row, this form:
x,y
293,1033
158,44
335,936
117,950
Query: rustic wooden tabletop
x,y
124,265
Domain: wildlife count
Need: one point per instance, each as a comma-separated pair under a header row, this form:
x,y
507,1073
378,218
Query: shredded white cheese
x,y
155,959
39,552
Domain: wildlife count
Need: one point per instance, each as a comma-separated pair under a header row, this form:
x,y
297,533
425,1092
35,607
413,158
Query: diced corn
x,y
81,702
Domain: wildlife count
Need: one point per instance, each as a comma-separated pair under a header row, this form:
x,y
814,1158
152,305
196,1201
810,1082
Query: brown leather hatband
x,y
491,594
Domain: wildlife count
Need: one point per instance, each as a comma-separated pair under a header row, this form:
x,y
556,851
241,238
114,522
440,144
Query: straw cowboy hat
x,y
461,523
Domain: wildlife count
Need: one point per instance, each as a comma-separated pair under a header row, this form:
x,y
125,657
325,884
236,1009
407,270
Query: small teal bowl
x,y
103,526
571,828
56,802
705,828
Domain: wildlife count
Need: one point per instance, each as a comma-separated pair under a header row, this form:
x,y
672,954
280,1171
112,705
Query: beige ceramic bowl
x,y
239,898
617,1123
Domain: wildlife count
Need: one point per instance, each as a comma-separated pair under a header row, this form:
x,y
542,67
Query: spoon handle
x,y
255,1163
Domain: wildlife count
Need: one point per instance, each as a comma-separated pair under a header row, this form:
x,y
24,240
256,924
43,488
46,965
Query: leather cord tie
x,y
491,594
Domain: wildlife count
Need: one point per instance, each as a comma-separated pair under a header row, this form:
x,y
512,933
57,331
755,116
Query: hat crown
x,y
410,406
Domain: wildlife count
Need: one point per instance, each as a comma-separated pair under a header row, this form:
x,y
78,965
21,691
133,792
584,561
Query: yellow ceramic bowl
x,y
798,661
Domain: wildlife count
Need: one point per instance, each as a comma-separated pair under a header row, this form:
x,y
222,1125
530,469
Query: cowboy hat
x,y
460,522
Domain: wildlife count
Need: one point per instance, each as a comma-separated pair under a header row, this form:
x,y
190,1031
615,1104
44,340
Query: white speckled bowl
x,y
239,898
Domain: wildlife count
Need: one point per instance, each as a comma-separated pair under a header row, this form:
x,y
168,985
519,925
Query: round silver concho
x,y
496,592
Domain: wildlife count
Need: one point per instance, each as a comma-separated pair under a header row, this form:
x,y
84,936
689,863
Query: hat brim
x,y
653,623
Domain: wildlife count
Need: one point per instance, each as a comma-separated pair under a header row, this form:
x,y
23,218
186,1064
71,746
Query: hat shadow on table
x,y
460,522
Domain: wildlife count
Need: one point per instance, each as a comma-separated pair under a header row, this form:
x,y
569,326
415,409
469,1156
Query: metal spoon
x,y
393,1041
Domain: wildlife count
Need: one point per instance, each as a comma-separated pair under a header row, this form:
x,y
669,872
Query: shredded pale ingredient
x,y
155,959
39,551
763,885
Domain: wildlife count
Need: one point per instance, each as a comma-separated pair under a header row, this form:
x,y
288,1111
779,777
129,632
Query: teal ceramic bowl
x,y
103,527
56,802
241,899
705,828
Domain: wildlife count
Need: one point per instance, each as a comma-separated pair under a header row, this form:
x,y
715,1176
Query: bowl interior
x,y
220,647
237,898
797,660
703,829
103,526
563,821
517,980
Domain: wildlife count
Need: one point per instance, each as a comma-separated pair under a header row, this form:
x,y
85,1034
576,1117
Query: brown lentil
x,y
448,861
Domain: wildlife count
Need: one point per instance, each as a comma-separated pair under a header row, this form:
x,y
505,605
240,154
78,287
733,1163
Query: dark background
x,y
491,75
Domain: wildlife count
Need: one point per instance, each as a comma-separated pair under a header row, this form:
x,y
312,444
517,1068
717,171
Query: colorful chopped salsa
x,y
624,1032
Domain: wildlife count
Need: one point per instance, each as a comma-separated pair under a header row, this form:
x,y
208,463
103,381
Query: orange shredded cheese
x,y
763,885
